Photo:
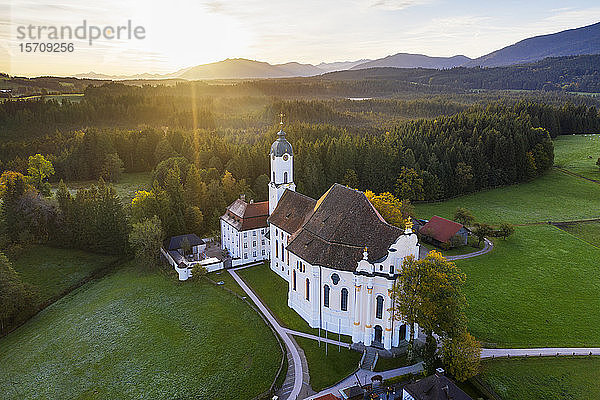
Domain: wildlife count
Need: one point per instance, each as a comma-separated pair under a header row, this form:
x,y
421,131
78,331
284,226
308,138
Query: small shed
x,y
175,243
440,231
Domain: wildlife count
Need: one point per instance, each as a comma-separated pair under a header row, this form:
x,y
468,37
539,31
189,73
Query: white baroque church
x,y
338,255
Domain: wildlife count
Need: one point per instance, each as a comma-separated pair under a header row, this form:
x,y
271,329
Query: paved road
x,y
365,377
541,352
289,344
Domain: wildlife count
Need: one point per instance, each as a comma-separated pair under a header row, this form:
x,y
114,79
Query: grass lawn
x,y
327,370
53,270
228,281
383,364
125,188
572,378
573,152
273,291
539,288
555,196
137,335
588,231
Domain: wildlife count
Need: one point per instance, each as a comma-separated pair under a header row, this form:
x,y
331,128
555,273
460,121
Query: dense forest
x,y
204,151
205,144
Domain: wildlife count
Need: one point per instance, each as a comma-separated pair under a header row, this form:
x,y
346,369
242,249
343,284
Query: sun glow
x,y
182,35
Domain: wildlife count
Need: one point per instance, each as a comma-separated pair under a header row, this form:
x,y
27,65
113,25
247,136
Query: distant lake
x,y
358,98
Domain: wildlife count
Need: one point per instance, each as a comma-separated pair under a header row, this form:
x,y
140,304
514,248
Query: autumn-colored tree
x,y
428,292
462,356
38,170
390,208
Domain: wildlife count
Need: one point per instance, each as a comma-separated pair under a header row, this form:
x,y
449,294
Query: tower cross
x,y
281,118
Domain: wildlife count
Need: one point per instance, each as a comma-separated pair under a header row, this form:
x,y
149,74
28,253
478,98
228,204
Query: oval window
x,y
335,278
285,157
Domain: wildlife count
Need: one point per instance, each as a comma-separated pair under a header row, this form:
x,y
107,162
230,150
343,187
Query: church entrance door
x,y
378,334
403,332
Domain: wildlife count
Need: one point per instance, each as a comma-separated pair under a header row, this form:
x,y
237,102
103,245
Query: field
x,y
588,231
536,289
326,370
125,188
545,378
555,196
54,270
578,153
136,335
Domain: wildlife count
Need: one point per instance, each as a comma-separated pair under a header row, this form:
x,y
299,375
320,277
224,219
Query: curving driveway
x,y
489,246
289,344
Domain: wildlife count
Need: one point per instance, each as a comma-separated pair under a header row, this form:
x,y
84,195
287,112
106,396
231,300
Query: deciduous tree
x,y
463,216
462,356
38,170
146,239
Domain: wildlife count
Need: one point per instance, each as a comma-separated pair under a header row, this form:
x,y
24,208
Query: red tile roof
x,y
440,229
245,216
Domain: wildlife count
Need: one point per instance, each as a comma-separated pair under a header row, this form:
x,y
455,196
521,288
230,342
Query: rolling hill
x,y
240,68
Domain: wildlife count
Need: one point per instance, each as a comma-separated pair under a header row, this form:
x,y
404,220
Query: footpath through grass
x,y
53,270
539,288
573,378
136,335
555,196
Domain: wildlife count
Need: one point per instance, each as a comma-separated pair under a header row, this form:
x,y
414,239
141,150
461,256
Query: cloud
x,y
396,5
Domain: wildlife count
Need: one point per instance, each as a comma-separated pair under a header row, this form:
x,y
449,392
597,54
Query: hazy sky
x,y
182,33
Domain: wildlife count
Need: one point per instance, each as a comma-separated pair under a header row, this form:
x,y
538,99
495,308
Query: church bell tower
x,y
282,168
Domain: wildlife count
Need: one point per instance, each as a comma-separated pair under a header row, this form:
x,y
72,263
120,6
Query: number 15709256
x,y
42,47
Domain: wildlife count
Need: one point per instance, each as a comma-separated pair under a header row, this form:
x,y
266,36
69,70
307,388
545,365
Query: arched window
x,y
285,177
276,249
326,295
273,176
294,280
344,299
282,253
379,308
307,289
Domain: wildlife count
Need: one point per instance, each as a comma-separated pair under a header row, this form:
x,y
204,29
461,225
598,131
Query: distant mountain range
x,y
405,60
580,41
572,42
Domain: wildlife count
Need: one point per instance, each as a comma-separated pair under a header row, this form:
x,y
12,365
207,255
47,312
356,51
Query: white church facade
x,y
338,255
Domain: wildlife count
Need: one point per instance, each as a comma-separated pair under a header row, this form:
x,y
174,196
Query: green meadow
x,y
141,335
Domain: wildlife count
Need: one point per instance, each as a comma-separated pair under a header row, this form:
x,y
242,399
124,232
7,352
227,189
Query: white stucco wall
x,y
249,246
